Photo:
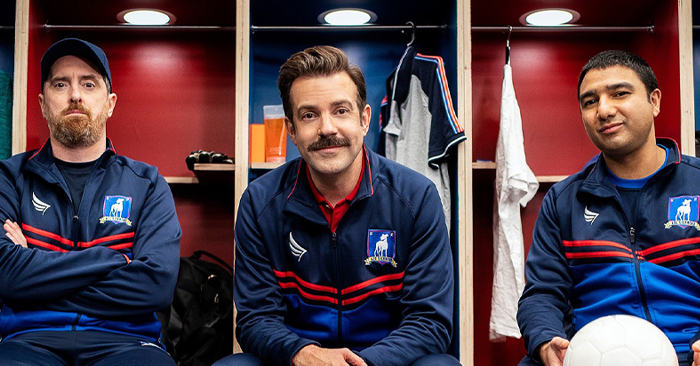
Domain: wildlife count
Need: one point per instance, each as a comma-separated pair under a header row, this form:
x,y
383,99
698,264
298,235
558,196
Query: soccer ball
x,y
620,340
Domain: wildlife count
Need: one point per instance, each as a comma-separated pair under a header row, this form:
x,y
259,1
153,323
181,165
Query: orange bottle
x,y
275,134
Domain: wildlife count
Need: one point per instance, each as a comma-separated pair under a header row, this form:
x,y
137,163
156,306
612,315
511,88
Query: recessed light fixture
x,y
347,16
146,17
550,17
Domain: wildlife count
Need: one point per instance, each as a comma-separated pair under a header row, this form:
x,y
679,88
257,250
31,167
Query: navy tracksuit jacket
x,y
588,259
381,284
107,267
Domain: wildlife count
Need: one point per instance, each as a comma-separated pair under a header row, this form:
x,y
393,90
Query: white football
x,y
620,340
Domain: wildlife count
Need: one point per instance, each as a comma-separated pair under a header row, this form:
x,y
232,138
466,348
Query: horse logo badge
x,y
683,212
381,247
117,210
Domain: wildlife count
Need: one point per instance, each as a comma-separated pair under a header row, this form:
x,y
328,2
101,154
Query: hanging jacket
x,y
106,267
588,259
420,126
381,284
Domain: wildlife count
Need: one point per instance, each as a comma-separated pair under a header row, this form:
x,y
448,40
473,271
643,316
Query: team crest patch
x,y
117,210
683,212
381,247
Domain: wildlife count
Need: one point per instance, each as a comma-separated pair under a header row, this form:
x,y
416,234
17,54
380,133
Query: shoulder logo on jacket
x,y
116,209
381,247
589,215
39,205
297,250
683,212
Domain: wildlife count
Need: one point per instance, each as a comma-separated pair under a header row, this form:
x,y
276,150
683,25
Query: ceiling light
x,y
549,17
146,17
347,17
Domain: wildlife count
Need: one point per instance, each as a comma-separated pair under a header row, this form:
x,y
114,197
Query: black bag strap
x,y
199,253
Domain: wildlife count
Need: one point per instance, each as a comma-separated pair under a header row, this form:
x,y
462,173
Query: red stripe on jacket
x,y
105,239
47,234
362,285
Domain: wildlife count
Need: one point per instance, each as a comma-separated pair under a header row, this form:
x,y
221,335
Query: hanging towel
x,y
5,115
421,126
515,186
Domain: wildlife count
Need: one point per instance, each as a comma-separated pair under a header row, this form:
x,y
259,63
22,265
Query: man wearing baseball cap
x,y
91,240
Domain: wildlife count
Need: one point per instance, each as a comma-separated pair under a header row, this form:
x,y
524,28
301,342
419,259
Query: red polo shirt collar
x,y
334,214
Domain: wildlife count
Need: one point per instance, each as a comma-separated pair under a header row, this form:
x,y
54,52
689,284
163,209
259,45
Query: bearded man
x,y
91,240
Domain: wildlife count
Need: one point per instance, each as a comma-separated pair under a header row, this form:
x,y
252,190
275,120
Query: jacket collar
x,y
597,181
43,161
301,198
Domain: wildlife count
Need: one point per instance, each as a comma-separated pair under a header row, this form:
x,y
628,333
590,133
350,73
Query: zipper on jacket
x,y
334,244
632,236
75,220
75,322
633,246
638,274
76,229
635,257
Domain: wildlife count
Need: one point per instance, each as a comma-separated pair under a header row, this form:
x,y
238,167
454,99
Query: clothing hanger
x,y
409,44
510,30
413,34
408,47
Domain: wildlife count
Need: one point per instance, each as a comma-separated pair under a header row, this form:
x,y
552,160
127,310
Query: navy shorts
x,y
77,348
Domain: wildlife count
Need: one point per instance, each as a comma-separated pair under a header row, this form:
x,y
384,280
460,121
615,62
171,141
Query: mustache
x,y
78,107
325,142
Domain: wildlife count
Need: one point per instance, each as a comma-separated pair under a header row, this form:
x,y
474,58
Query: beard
x,y
78,130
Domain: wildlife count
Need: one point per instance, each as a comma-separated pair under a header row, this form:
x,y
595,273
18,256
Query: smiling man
x,y
342,256
90,244
622,235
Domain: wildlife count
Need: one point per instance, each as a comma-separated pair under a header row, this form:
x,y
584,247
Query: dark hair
x,y
626,59
318,61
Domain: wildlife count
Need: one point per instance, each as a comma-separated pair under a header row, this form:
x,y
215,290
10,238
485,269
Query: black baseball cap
x,y
79,48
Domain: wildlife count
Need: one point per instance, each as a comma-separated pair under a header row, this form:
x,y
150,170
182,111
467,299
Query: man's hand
x,y
552,352
14,232
696,353
313,355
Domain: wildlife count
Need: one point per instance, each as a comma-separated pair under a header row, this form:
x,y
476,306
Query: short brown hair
x,y
314,62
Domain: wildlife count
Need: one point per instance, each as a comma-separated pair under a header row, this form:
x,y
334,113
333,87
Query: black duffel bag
x,y
198,325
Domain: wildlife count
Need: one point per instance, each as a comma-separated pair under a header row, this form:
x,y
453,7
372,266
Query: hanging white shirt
x,y
515,186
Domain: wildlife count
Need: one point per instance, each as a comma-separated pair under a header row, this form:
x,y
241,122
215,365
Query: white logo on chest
x,y
297,250
39,205
589,215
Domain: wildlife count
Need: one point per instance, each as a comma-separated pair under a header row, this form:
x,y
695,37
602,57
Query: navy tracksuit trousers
x,y
81,348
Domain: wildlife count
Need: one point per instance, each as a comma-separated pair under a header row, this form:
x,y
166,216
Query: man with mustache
x,y
622,235
91,239
342,256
